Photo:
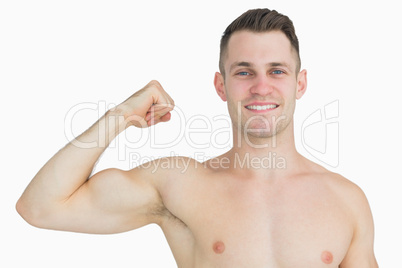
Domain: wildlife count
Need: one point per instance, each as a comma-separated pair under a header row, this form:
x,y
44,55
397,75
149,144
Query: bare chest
x,y
254,227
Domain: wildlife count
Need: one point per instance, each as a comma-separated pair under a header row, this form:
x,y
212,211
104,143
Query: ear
x,y
301,84
219,83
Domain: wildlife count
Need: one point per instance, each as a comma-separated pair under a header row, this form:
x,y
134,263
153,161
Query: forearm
x,y
70,168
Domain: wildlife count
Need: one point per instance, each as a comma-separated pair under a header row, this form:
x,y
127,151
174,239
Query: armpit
x,y
164,215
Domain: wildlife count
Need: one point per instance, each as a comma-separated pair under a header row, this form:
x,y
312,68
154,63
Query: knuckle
x,y
171,103
155,83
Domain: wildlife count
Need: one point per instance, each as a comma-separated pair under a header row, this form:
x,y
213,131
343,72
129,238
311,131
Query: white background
x,y
55,55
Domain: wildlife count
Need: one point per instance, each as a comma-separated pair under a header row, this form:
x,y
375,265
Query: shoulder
x,y
344,188
346,193
170,175
165,173
347,190
166,168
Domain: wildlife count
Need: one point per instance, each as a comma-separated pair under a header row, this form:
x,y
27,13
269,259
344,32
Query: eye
x,y
243,73
278,72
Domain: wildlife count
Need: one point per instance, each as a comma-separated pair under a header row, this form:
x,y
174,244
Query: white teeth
x,y
261,107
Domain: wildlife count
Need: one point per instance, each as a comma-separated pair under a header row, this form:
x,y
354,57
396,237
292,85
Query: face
x,y
260,84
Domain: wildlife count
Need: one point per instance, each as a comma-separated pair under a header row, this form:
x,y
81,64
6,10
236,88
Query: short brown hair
x,y
260,20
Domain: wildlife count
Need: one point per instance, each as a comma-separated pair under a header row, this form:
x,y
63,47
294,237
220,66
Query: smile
x,y
261,107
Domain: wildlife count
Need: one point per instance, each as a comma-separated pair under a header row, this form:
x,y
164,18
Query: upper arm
x,y
361,249
112,201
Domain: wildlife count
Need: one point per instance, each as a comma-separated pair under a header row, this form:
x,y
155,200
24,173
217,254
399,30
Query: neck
x,y
265,157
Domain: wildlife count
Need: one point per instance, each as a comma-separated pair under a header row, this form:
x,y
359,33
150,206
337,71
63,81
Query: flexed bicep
x,y
112,201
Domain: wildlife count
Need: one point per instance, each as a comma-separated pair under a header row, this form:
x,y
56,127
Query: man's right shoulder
x,y
174,178
168,173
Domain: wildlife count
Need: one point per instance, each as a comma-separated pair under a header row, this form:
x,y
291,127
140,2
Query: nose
x,y
262,86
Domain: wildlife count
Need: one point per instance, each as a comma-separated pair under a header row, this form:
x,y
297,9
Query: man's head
x,y
259,21
260,73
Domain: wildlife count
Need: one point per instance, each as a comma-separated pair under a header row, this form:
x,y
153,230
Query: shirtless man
x,y
230,211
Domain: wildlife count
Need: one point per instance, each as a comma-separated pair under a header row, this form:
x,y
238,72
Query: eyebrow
x,y
240,64
278,64
249,64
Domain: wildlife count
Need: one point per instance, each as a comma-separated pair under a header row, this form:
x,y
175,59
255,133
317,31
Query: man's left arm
x,y
361,250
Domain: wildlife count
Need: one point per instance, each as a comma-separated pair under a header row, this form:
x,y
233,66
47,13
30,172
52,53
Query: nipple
x,y
327,257
218,247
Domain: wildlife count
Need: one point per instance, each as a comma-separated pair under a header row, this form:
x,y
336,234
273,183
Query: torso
x,y
219,219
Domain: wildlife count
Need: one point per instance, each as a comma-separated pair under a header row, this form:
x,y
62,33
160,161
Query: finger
x,y
161,106
155,120
148,116
157,114
165,117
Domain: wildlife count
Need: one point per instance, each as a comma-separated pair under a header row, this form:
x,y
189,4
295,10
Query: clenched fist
x,y
147,107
